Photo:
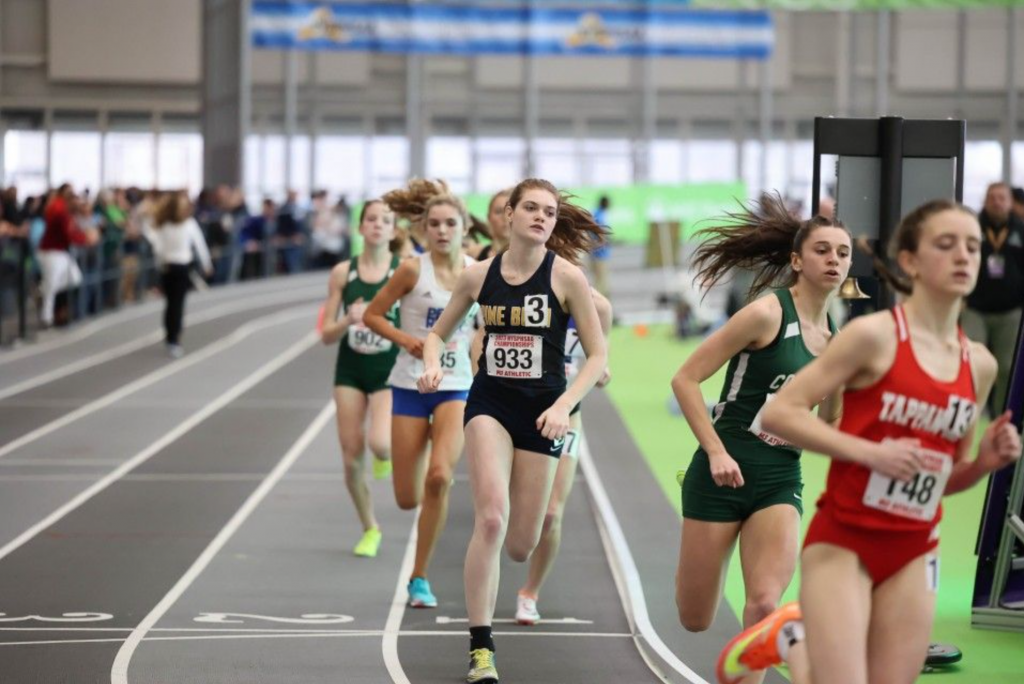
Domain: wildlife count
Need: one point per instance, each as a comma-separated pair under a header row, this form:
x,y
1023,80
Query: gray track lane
x,y
292,557
28,410
580,587
651,526
85,451
96,335
120,552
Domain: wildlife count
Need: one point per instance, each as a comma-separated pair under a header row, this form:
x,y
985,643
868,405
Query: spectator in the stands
x,y
252,238
1018,203
59,269
290,234
330,230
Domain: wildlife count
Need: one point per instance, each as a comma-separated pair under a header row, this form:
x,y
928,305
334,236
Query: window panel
x,y
341,165
25,162
180,161
129,160
711,160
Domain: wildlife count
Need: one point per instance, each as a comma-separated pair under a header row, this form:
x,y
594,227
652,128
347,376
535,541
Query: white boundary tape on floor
x,y
182,428
119,671
627,578
141,310
220,311
393,626
188,361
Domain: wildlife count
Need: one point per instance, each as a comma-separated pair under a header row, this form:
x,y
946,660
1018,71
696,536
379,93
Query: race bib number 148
x,y
917,499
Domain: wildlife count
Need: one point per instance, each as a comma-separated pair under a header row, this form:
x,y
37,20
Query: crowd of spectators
x,y
79,252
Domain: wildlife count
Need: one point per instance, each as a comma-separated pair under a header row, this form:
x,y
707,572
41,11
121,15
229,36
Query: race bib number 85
x,y
515,356
917,499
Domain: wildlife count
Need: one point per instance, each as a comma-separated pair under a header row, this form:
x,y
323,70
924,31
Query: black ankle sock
x,y
480,637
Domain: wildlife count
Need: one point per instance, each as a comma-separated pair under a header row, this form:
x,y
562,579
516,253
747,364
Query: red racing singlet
x,y
905,402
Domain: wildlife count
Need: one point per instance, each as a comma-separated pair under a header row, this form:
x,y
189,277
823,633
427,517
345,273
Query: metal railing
x,y
113,277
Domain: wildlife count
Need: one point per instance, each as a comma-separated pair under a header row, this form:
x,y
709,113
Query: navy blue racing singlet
x,y
525,326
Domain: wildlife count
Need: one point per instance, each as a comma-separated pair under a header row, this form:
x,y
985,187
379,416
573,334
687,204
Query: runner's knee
x,y
758,607
491,526
692,618
438,482
552,523
380,445
520,550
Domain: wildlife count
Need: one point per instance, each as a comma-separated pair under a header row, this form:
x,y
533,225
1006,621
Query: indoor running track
x,y
173,521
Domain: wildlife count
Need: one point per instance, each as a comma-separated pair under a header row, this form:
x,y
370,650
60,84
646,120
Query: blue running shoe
x,y
420,595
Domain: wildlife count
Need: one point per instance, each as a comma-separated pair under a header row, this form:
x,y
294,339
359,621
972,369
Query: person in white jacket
x,y
175,237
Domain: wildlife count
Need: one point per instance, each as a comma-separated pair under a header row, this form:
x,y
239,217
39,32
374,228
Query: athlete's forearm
x,y
588,376
379,324
691,401
965,475
432,351
335,330
795,424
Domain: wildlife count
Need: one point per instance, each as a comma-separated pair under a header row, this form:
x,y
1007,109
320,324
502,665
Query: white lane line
x,y
147,340
141,310
60,462
241,333
197,630
393,626
442,620
182,428
627,576
119,671
313,635
173,477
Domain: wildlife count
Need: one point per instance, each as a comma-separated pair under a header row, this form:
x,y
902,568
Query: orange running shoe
x,y
756,648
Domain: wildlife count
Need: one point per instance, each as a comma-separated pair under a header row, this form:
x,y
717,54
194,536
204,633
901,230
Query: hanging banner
x,y
629,29
841,5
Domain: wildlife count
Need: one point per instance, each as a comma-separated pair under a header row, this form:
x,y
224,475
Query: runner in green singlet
x,y
364,362
744,482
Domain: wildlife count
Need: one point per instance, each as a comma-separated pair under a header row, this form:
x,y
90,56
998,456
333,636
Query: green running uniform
x,y
364,357
770,465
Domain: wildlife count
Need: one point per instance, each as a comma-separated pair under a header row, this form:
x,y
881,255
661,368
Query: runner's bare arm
x,y
398,285
581,305
1000,444
858,352
334,329
746,329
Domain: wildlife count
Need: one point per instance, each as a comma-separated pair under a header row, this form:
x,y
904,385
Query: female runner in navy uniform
x,y
517,413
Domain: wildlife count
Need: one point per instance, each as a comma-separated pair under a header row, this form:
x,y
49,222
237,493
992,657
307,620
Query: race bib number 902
x,y
917,499
365,341
515,356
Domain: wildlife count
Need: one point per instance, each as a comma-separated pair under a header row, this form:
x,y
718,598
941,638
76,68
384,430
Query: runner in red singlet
x,y
913,383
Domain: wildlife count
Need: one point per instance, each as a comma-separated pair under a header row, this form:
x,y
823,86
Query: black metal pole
x,y
890,136
816,173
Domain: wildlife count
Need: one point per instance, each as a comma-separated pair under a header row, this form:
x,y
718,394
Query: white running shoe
x,y
526,610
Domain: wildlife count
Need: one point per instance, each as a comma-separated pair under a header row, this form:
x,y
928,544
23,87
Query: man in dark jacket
x,y
993,311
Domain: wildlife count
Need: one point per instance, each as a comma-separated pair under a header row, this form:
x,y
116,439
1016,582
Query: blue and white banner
x,y
628,29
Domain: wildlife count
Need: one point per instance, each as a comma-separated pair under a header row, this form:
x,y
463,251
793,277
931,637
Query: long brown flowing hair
x,y
575,231
415,200
761,237
173,207
907,238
